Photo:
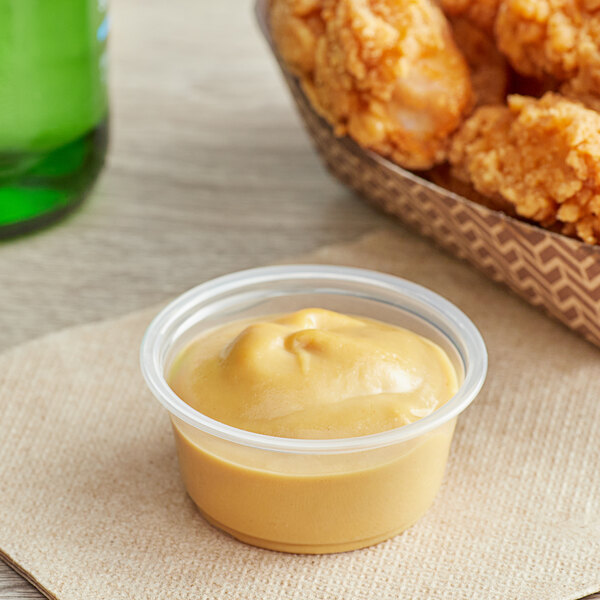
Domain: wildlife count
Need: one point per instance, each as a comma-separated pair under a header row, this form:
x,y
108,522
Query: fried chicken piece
x,y
560,38
296,26
385,72
489,69
542,156
481,13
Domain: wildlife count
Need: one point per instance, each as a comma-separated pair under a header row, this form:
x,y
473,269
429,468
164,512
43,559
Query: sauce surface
x,y
313,374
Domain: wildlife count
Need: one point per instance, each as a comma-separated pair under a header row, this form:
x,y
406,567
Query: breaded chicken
x,y
489,69
542,156
296,26
559,38
385,72
482,13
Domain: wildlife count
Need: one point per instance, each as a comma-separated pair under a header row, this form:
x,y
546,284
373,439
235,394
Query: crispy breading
x,y
560,38
385,72
541,155
481,13
296,26
489,69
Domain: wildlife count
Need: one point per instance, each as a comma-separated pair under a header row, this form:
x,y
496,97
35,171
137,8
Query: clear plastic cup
x,y
312,496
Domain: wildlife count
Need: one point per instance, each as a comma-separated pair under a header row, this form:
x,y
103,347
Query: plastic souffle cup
x,y
301,495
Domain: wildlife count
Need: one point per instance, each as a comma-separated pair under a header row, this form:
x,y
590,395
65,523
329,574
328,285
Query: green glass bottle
x,y
53,107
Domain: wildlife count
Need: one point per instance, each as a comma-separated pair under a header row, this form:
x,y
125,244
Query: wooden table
x,y
209,171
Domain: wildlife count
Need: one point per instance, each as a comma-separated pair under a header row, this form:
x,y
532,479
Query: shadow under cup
x,y
312,496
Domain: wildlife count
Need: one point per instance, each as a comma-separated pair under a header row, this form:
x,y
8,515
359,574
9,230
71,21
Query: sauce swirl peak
x,y
313,374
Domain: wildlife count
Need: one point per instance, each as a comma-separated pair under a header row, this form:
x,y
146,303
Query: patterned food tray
x,y
551,271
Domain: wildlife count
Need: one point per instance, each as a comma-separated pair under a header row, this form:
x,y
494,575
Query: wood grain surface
x,y
208,172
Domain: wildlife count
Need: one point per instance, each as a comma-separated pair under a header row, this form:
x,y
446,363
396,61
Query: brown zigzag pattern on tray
x,y
556,273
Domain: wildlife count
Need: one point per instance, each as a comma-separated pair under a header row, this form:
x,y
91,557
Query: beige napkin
x,y
91,506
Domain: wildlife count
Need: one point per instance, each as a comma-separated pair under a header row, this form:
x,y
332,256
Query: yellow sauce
x,y
313,374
